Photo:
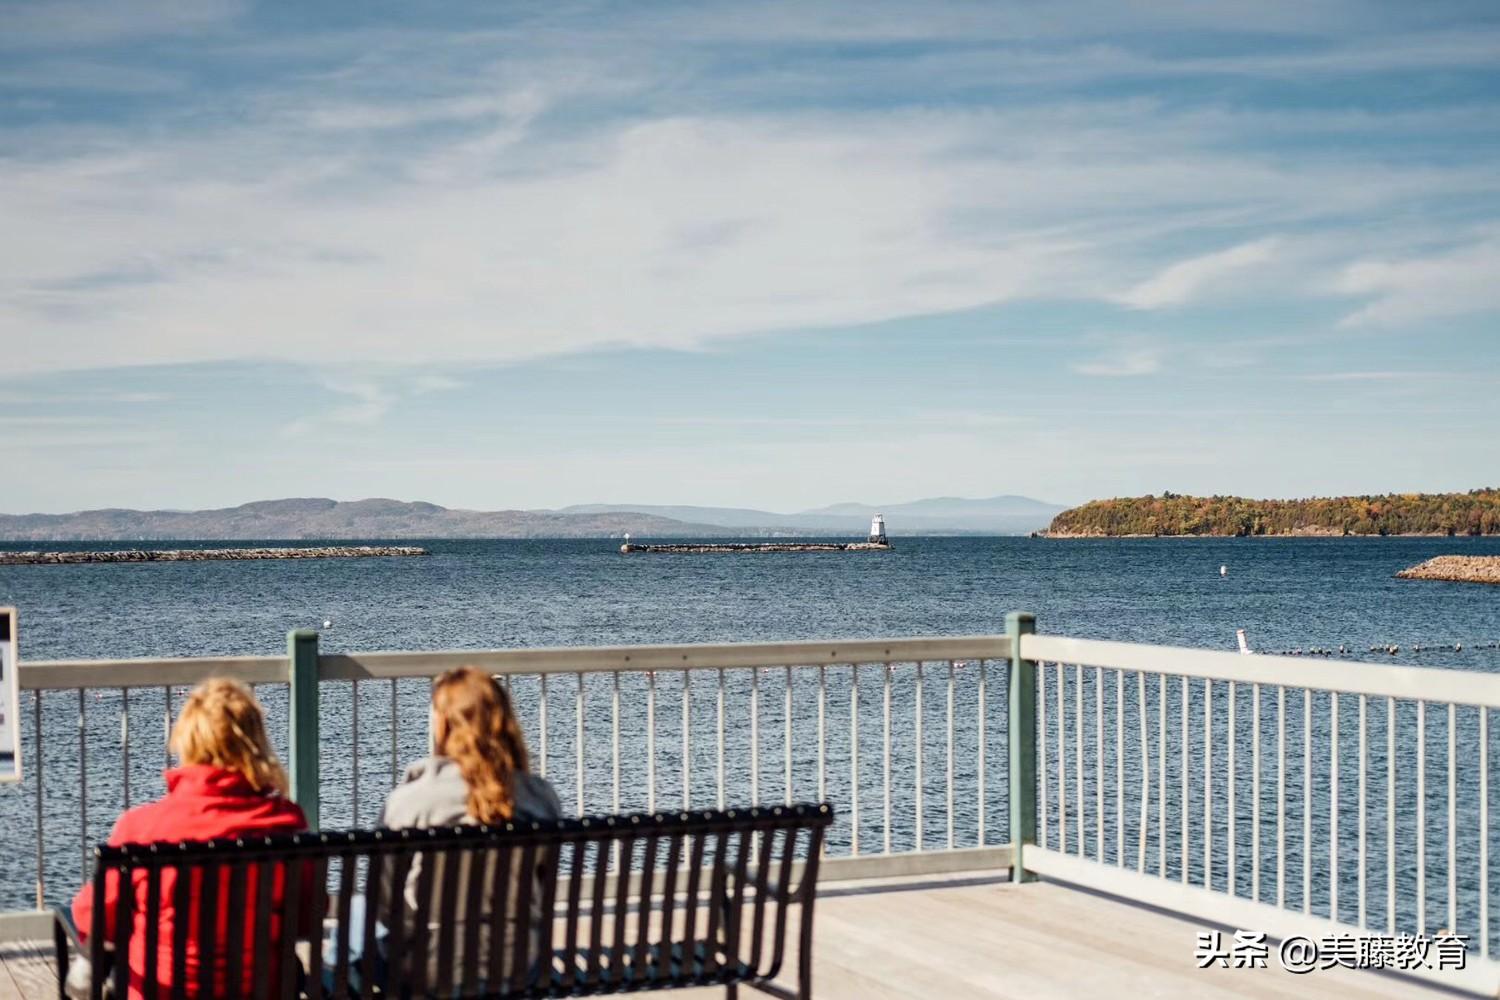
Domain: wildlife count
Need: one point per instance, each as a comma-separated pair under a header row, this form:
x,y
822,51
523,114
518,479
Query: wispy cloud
x,y
1182,281
565,183
68,23
1452,283
369,402
1353,376
365,398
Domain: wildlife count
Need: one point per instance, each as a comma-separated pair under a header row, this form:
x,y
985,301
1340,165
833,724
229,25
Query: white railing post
x,y
1021,732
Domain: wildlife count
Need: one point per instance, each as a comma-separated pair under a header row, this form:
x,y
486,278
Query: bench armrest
x,y
65,930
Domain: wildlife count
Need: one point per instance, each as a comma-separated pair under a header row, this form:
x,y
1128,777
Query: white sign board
x,y
10,724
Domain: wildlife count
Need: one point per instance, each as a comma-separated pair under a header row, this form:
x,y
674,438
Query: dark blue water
x,y
1287,593
479,594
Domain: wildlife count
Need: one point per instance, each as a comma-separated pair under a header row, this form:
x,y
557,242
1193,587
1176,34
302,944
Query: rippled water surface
x,y
1287,593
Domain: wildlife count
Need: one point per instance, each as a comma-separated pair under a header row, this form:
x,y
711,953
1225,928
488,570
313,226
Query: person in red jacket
x,y
229,783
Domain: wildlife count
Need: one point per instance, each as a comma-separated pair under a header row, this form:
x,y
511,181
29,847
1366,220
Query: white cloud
x,y
370,401
1455,283
1186,279
259,241
1142,361
585,191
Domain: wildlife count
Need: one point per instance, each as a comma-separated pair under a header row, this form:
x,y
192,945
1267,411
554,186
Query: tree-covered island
x,y
1474,513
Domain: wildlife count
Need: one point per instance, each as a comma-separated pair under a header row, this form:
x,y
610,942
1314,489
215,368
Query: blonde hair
x,y
222,724
474,725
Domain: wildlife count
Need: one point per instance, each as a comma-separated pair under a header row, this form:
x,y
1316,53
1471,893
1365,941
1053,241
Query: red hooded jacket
x,y
202,802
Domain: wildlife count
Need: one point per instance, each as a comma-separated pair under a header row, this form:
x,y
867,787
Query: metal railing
x,y
1261,792
903,733
1270,793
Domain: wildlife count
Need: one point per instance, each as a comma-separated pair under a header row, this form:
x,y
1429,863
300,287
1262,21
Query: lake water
x,y
1286,593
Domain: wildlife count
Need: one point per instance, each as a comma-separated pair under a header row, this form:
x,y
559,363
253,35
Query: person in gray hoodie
x,y
479,773
480,769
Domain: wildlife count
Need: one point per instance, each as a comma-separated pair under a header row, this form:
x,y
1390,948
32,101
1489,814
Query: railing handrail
x,y
177,671
53,675
1434,684
685,656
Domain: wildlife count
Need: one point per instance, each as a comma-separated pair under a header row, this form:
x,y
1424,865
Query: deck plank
x,y
9,990
29,970
1036,942
988,941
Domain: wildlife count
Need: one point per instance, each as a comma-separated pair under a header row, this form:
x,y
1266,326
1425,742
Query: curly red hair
x,y
475,725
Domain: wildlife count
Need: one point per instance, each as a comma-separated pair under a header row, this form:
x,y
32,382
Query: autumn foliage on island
x,y
1474,513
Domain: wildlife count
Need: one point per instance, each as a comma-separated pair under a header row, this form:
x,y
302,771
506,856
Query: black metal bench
x,y
611,904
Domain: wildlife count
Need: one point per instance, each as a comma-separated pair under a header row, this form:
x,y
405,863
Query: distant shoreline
x,y
1085,536
1400,515
86,557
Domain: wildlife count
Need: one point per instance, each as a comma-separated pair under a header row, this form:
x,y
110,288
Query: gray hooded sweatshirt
x,y
433,793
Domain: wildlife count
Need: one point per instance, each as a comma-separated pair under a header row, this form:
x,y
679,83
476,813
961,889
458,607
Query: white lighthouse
x,y
877,529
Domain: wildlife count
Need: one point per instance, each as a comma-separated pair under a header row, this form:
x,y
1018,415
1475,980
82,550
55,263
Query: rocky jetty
x,y
206,555
687,547
1458,569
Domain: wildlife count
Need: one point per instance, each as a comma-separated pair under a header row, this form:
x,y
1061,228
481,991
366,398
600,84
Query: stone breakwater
x,y
1458,569
688,547
205,555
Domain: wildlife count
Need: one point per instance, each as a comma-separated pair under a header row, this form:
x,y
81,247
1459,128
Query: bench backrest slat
x,y
784,899
412,968
523,928
735,924
477,888
596,913
500,902
233,944
578,850
687,971
319,881
342,930
210,884
448,865
758,924
289,918
265,872
153,926
615,968
182,897
549,863
705,954
393,915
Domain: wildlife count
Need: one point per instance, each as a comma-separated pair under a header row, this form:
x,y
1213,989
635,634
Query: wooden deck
x,y
965,938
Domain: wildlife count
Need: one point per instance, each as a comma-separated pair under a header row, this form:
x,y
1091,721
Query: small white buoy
x,y
327,623
1223,570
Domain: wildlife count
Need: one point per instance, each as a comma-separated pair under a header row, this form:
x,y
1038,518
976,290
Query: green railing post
x,y
302,722
1021,726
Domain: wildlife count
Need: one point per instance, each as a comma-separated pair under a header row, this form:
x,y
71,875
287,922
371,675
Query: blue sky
x,y
777,255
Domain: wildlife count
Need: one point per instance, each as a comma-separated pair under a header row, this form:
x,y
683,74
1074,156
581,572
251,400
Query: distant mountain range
x,y
381,518
1002,515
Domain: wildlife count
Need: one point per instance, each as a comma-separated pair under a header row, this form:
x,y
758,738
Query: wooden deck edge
x,y
1480,977
27,926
